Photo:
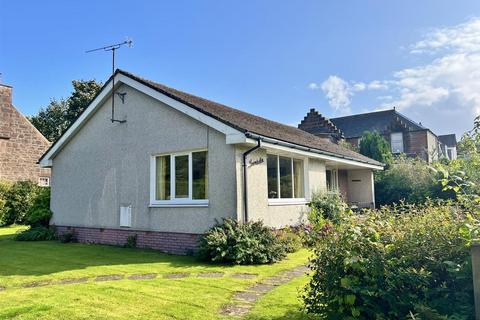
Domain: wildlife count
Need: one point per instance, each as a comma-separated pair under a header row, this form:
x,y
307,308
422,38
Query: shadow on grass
x,y
46,257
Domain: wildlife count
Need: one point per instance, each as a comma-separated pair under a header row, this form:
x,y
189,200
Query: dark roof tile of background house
x,y
448,139
247,122
356,125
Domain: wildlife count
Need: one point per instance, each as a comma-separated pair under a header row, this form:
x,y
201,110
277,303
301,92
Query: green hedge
x,y
394,263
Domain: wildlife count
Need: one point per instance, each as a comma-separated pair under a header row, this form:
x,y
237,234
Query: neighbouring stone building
x,y
404,135
21,144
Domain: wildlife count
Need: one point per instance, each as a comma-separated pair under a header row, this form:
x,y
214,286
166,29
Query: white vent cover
x,y
126,216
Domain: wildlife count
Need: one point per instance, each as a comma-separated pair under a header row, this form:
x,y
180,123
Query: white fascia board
x,y
233,136
312,154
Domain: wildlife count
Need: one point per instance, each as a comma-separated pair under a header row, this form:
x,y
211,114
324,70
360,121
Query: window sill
x,y
286,202
179,204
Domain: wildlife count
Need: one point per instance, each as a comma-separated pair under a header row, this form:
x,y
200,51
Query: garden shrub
x,y
240,243
39,213
18,200
131,241
327,206
290,238
393,263
409,180
67,237
38,233
37,217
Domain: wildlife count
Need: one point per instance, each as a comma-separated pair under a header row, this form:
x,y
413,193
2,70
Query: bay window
x,y
180,179
285,177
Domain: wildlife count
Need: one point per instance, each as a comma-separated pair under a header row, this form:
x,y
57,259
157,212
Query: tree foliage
x,y
53,120
374,146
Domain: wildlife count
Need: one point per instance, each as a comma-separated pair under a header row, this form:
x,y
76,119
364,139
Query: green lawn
x,y
23,263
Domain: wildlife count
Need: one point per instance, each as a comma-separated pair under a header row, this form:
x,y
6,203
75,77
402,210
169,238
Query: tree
x,y
53,120
374,146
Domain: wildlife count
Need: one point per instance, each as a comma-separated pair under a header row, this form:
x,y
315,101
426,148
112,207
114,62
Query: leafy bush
x,y
67,237
234,242
39,213
290,238
394,263
327,206
4,187
39,233
131,241
409,180
18,198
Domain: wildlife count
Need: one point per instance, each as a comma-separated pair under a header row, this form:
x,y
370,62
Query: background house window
x,y
181,178
285,177
44,181
396,141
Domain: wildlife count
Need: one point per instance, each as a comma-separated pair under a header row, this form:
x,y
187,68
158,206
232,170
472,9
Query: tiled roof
x,y
356,125
250,123
448,139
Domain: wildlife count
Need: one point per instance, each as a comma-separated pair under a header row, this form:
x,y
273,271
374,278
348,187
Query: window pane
x,y
163,178
298,178
328,174
272,172
396,139
181,176
200,175
285,177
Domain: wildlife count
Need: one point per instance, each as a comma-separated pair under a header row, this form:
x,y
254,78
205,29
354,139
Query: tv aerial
x,y
129,43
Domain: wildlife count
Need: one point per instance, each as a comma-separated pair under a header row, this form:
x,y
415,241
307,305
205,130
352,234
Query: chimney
x,y
5,95
6,110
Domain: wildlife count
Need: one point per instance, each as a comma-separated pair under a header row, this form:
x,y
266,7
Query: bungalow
x,y
171,164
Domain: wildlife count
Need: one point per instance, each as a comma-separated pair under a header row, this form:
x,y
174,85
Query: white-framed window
x,y
332,179
44,181
285,177
179,179
396,142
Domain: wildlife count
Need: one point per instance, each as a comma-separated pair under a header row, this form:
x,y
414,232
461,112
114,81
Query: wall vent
x,y
126,216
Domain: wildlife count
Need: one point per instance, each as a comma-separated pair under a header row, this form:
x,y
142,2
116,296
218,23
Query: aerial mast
x,y
129,43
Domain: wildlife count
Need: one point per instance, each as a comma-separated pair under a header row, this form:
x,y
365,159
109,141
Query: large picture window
x,y
180,178
285,177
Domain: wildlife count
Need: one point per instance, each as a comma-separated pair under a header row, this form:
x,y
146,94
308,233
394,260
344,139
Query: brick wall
x,y
170,242
21,145
416,144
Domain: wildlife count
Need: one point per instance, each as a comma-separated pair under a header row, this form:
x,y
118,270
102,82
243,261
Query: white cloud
x,y
313,86
338,93
444,91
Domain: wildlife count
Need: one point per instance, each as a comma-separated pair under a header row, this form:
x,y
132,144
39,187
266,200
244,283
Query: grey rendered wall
x,y
108,165
276,216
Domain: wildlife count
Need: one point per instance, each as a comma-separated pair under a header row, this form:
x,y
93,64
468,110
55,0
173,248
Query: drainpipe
x,y
245,193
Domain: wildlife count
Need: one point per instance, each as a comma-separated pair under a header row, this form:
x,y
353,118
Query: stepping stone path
x,y
35,284
109,277
244,275
73,280
176,275
243,301
210,274
143,276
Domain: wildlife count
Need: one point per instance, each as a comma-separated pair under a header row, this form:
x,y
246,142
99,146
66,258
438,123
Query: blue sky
x,y
271,58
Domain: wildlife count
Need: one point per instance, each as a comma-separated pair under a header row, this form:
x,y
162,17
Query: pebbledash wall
x,y
106,166
21,144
